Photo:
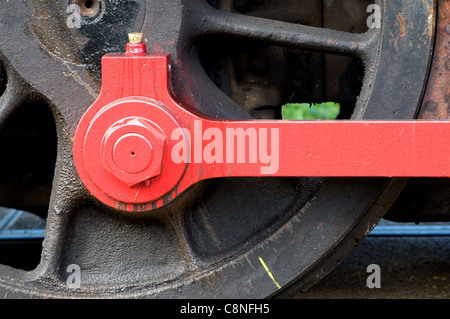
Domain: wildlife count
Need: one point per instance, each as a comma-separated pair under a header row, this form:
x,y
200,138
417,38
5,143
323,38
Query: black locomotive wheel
x,y
222,237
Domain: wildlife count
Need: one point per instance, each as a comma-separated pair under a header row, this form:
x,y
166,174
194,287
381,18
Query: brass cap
x,y
135,37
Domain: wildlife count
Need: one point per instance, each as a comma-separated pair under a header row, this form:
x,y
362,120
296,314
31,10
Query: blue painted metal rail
x,y
411,230
8,231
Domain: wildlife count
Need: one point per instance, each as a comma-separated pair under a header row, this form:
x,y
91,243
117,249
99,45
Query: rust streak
x,y
402,25
436,99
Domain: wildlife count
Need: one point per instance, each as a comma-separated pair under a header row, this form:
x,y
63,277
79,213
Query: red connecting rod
x,y
136,148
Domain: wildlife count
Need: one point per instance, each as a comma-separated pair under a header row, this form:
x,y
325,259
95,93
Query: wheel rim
x,y
197,246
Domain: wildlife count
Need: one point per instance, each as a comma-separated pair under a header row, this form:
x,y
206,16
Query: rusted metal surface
x,y
436,102
427,199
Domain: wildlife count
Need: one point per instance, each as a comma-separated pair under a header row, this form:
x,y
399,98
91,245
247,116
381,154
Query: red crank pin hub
x,y
135,149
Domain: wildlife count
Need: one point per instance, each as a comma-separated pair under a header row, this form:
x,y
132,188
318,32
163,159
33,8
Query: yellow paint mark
x,y
269,273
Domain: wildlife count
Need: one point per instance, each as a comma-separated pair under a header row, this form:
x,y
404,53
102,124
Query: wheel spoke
x,y
216,22
77,89
11,98
109,249
208,99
